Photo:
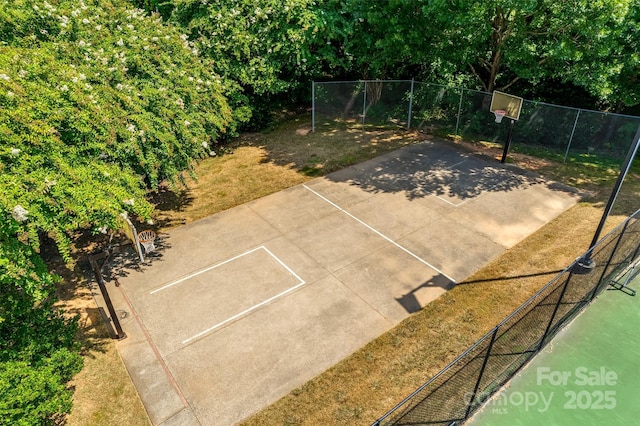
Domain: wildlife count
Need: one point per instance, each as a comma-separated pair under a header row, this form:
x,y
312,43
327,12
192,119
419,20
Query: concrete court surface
x,y
236,310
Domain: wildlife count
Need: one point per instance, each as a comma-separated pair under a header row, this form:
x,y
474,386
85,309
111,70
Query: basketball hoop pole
x,y
508,143
587,263
119,333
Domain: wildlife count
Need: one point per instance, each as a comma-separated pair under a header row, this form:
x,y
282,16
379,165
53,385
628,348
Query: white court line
x,y
381,234
449,202
211,329
283,264
202,271
243,313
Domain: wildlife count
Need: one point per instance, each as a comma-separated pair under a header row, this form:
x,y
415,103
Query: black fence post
x,y
555,311
587,261
484,365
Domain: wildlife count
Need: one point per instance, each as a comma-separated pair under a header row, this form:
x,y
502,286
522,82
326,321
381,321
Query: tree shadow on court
x,y
410,302
438,169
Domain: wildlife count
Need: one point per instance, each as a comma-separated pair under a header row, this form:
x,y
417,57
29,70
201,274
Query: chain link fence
x,y
430,107
455,393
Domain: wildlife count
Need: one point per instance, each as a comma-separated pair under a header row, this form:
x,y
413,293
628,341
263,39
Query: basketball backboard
x,y
131,233
506,102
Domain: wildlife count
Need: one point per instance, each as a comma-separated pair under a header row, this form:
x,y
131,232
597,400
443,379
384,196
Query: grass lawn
x,y
362,387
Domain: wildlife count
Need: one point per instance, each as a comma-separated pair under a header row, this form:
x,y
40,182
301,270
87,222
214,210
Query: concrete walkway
x,y
238,309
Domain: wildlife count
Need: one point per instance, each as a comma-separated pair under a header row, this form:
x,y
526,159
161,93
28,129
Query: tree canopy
x,y
99,103
494,45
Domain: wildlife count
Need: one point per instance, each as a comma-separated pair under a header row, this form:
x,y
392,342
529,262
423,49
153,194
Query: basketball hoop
x,y
146,238
500,113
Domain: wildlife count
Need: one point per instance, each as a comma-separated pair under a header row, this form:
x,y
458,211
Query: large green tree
x,y
270,47
99,103
38,351
494,45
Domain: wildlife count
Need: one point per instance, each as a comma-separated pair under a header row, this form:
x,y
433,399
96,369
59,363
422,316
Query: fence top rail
x,y
583,109
364,81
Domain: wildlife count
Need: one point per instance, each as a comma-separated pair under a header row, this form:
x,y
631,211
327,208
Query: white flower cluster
x,y
19,213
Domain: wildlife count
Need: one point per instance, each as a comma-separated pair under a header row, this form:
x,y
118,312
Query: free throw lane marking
x,y
209,268
380,234
239,315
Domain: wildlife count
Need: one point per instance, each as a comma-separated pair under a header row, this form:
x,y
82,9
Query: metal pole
x,y
587,262
508,143
459,110
410,106
107,300
575,123
364,103
313,106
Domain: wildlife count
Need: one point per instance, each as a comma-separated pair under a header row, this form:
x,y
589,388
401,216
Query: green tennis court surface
x,y
588,375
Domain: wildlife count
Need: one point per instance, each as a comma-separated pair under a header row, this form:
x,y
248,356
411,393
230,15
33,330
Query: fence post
x,y
313,106
555,311
575,123
484,365
410,106
364,104
459,110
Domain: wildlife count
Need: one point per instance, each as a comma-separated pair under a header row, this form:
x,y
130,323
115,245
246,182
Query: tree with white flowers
x,y
99,103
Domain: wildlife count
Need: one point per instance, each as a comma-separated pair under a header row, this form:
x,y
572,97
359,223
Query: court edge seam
x,y
156,352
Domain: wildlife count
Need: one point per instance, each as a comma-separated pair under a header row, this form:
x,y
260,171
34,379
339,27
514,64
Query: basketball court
x,y
234,311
